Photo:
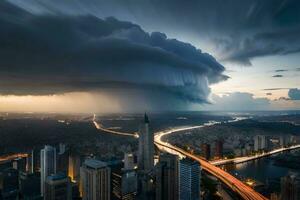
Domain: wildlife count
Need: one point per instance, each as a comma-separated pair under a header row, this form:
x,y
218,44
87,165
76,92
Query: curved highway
x,y
236,185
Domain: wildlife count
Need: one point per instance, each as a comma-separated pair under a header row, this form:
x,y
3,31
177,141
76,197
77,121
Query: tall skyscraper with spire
x,y
146,146
145,160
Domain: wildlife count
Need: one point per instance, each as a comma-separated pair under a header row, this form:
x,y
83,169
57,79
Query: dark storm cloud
x,y
269,94
240,30
44,53
277,76
294,94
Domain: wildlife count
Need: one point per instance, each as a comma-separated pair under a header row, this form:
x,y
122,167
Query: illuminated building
x,y
290,187
128,161
205,150
57,186
74,167
34,161
189,179
19,164
48,164
95,180
167,177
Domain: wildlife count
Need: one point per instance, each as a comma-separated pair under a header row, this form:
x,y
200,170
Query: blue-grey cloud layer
x,y
57,53
294,94
240,30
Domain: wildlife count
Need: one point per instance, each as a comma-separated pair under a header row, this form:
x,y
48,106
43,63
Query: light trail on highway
x,y
13,156
236,185
100,127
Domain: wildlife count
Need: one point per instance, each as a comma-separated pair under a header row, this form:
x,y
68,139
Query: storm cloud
x,y
237,31
294,94
46,53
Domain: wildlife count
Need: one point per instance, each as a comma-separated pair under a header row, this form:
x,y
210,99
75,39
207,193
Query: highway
x,y
236,185
248,158
13,156
100,127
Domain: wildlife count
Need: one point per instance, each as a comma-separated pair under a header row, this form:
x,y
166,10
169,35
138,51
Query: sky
x,y
151,55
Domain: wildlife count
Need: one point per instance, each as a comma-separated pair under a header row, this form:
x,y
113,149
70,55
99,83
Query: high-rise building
x,y
145,160
34,164
9,182
261,142
19,164
167,177
124,184
74,167
219,149
146,146
48,164
58,186
189,179
205,150
95,180
30,185
128,161
290,187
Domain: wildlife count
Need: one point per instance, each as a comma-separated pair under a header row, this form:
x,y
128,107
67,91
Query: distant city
x,y
187,156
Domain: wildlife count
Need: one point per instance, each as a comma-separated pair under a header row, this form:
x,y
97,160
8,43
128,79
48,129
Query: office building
x,y
205,150
20,164
48,164
290,187
9,184
219,149
57,186
30,185
34,161
124,184
95,180
261,142
167,177
189,179
128,161
74,167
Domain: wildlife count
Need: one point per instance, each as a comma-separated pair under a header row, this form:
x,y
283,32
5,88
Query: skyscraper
x,y
58,186
48,164
74,167
205,150
95,180
128,161
145,160
261,142
290,187
146,146
219,149
167,177
189,179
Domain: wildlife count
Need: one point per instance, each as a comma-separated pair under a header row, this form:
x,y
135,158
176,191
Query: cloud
x,y
277,76
294,94
238,101
45,53
269,93
248,29
271,89
281,70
